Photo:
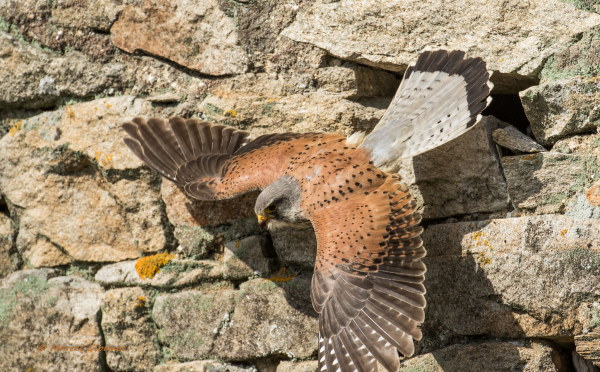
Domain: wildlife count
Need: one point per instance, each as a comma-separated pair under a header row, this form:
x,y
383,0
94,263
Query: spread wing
x,y
367,284
211,161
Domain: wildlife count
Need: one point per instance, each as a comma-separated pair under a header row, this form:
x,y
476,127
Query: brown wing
x,y
367,284
211,161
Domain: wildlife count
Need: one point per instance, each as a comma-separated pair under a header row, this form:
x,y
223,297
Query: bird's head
x,y
279,203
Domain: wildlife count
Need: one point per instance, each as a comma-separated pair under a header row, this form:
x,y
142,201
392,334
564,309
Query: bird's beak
x,y
263,219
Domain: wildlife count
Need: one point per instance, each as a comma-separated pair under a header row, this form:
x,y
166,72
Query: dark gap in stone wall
x,y
508,108
4,207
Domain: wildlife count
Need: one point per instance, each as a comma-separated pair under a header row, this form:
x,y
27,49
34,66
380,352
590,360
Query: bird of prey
x,y
367,284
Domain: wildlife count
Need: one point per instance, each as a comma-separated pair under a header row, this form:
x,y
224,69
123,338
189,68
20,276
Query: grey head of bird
x,y
279,204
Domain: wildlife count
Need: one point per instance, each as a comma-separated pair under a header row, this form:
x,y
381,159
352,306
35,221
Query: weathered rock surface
x,y
579,58
550,182
42,314
31,77
250,323
356,81
189,321
183,211
296,247
270,318
8,258
563,107
515,277
487,356
513,37
460,177
240,260
126,323
310,366
202,366
286,112
511,138
588,144
74,186
197,35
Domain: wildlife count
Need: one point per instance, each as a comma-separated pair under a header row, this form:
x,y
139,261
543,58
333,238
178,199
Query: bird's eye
x,y
271,208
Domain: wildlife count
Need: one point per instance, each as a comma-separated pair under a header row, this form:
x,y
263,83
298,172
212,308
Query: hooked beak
x,y
263,219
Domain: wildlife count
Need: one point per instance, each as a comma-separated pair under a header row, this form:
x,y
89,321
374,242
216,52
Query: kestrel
x,y
367,284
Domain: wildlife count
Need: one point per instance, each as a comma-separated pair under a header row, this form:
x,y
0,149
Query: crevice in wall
x,y
102,354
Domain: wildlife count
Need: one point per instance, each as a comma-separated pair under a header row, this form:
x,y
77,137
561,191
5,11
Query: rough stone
x,y
197,35
356,81
295,247
588,345
309,366
564,107
35,78
513,139
76,189
269,318
515,277
181,273
64,24
588,144
579,58
202,366
189,321
593,194
126,323
512,37
549,182
264,105
42,314
8,259
245,258
181,210
486,356
460,177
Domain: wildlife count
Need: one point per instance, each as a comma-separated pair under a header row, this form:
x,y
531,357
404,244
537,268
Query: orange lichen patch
x,y
593,194
147,267
564,232
13,130
231,113
103,159
282,275
140,302
70,112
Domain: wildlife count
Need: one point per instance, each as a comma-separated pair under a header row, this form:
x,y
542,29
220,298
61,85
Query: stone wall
x,y
512,208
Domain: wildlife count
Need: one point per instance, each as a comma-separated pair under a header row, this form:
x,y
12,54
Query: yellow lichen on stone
x,y
147,267
483,260
282,276
564,232
13,130
231,113
103,159
70,112
480,239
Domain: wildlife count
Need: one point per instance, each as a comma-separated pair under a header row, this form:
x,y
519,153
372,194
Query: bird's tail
x,y
441,96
